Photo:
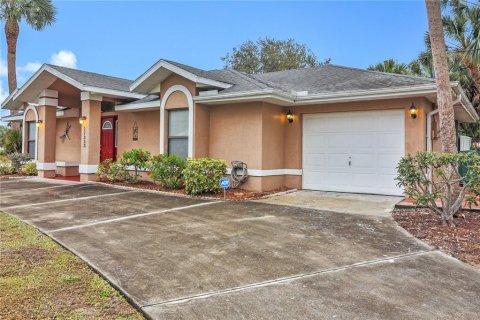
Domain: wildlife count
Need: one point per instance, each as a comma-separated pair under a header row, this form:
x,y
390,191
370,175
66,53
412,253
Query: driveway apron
x,y
185,258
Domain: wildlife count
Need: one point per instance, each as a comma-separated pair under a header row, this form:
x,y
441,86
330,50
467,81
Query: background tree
x,y
391,66
462,28
444,91
37,13
268,55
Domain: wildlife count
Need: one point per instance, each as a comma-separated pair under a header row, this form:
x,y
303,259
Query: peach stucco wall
x,y
258,134
236,133
69,149
148,131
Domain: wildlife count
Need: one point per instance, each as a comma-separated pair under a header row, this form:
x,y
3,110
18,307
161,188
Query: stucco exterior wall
x,y
258,134
69,149
148,131
236,133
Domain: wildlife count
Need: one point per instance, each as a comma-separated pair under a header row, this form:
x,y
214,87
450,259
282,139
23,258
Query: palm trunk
x,y
448,135
11,34
475,73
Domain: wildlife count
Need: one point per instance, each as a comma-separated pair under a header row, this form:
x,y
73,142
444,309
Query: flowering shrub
x,y
202,175
136,158
110,170
167,170
431,177
29,169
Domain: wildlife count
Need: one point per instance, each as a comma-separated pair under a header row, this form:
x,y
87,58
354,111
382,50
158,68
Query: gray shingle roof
x,y
332,78
95,79
323,79
327,78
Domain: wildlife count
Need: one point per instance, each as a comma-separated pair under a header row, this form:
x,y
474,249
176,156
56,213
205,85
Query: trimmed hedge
x,y
202,175
167,170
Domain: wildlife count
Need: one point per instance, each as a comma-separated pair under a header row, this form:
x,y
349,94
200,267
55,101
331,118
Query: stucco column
x,y
47,115
90,139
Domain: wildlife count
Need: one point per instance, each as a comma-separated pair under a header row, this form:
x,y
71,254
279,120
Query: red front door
x,y
108,149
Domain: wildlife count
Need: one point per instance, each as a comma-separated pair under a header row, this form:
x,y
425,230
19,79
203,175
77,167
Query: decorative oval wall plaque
x,y
135,131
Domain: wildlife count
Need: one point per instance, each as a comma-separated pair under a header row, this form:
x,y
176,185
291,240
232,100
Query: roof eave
x,y
12,98
346,96
466,104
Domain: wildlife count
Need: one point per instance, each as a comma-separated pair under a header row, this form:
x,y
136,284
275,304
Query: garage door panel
x,y
372,140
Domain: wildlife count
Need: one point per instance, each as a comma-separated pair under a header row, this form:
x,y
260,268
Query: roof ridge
x,y
381,72
96,73
270,84
248,78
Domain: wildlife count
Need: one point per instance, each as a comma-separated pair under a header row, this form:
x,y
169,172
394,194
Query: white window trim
x,y
187,93
24,150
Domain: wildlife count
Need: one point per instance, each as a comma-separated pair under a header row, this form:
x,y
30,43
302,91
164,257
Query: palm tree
x,y
462,29
390,66
37,13
440,63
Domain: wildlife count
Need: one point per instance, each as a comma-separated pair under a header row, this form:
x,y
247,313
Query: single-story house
x,y
330,128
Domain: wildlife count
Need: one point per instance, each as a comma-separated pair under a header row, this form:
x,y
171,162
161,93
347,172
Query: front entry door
x,y
108,149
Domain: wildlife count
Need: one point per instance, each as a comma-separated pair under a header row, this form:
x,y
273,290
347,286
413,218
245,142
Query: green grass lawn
x,y
40,280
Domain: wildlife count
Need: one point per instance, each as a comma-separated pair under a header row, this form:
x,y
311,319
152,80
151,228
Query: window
x,y
178,132
107,125
31,138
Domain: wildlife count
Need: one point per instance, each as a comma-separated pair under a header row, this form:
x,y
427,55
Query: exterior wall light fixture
x,y
82,120
413,111
289,116
39,123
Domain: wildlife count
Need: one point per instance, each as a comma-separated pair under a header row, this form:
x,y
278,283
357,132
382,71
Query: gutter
x,y
295,99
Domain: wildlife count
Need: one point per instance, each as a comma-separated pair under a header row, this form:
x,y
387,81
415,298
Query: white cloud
x,y
3,92
64,58
3,67
30,67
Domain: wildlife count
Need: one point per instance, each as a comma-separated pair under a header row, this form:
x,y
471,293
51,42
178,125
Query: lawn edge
x,y
127,296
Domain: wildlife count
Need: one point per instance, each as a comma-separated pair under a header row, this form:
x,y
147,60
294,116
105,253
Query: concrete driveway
x,y
183,258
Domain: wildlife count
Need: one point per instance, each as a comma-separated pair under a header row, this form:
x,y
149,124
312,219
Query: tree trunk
x,y
11,33
475,73
448,135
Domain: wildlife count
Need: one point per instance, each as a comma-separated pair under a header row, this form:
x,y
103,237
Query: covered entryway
x,y
353,151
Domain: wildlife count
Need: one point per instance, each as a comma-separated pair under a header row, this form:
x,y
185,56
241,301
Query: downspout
x,y
429,123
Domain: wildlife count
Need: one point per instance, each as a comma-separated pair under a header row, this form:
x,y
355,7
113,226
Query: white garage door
x,y
353,151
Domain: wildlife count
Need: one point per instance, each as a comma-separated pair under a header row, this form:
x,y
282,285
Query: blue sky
x,y
124,38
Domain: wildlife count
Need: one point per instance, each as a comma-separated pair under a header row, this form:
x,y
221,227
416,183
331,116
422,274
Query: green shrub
x,y
428,177
6,167
29,169
202,175
167,170
136,158
111,170
18,160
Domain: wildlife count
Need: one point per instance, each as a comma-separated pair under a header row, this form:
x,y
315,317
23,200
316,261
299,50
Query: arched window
x,y
107,125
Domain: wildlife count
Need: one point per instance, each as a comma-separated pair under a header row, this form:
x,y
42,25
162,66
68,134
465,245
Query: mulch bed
x,y
231,194
461,241
11,176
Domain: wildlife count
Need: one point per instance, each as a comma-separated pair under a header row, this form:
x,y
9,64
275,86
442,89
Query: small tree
x,y
11,140
449,178
136,158
268,55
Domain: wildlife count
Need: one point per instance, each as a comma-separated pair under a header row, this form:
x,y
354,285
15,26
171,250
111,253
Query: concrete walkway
x,y
184,258
365,204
